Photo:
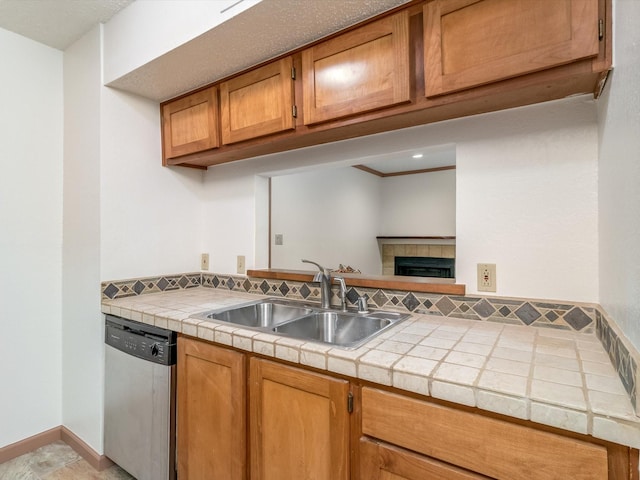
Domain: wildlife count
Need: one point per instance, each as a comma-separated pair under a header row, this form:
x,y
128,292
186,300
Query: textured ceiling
x,y
264,31
57,23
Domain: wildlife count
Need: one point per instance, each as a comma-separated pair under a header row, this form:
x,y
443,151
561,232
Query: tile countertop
x,y
553,377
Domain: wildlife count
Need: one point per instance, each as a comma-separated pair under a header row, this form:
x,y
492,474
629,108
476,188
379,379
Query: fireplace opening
x,y
425,267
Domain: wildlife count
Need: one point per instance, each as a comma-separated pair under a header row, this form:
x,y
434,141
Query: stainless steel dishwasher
x,y
139,400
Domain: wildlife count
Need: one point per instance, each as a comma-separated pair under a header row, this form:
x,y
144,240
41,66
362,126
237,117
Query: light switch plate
x,y
204,261
241,266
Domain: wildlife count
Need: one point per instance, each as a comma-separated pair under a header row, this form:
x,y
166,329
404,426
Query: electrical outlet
x,y
204,261
241,267
279,239
486,277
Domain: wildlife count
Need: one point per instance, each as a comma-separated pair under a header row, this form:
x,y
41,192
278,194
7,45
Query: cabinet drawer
x,y
485,445
379,461
474,42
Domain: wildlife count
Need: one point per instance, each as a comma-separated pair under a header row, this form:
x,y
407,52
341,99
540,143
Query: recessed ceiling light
x,y
417,155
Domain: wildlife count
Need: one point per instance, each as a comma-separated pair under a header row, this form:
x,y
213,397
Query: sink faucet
x,y
343,293
324,277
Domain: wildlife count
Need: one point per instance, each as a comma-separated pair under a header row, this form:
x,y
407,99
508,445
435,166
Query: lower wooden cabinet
x,y
299,424
240,416
211,412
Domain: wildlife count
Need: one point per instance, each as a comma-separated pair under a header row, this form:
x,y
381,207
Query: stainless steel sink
x,y
346,330
306,321
263,314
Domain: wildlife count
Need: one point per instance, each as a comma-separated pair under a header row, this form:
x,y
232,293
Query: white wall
x,y
527,201
329,216
419,205
619,168
231,199
125,216
83,325
31,119
150,217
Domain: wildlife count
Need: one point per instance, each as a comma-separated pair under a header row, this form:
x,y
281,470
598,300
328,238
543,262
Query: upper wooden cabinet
x,y
258,103
299,424
424,62
474,42
190,124
362,70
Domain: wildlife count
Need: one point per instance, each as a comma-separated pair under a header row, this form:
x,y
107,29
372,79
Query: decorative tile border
x,y
583,318
140,286
623,355
567,316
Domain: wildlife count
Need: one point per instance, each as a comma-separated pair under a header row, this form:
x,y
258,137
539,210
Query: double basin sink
x,y
306,322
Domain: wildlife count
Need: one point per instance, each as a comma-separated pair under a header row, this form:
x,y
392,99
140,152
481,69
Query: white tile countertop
x,y
553,377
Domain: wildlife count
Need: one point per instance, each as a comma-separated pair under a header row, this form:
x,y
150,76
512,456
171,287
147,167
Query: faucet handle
x,y
363,307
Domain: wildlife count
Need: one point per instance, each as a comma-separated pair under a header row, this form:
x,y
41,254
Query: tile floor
x,y
56,461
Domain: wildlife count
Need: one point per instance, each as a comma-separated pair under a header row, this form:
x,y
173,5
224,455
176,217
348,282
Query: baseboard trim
x,y
97,461
29,444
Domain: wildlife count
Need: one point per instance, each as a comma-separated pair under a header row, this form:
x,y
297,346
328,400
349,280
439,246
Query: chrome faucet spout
x,y
324,277
343,292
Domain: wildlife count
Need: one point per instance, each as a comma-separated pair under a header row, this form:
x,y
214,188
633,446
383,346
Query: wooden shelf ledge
x,y
442,286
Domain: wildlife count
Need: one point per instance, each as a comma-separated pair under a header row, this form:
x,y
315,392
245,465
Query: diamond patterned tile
x,y
484,308
111,290
527,314
445,305
577,319
410,302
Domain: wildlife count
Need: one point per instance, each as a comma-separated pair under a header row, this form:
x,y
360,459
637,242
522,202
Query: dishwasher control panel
x,y
140,340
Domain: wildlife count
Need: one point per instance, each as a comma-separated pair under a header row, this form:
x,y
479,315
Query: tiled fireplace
x,y
392,250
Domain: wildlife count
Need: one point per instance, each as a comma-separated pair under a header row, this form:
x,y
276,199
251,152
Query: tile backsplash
x,y
578,317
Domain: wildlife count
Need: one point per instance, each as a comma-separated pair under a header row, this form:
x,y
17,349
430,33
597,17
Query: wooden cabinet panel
x,y
258,103
480,444
473,42
386,462
362,70
190,124
211,412
299,424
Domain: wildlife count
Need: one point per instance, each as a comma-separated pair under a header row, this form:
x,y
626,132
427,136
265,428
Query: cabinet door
x,y
211,412
379,461
299,424
257,103
473,42
365,69
190,124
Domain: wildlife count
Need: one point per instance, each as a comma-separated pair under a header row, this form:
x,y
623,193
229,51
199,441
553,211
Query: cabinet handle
x,y
350,402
